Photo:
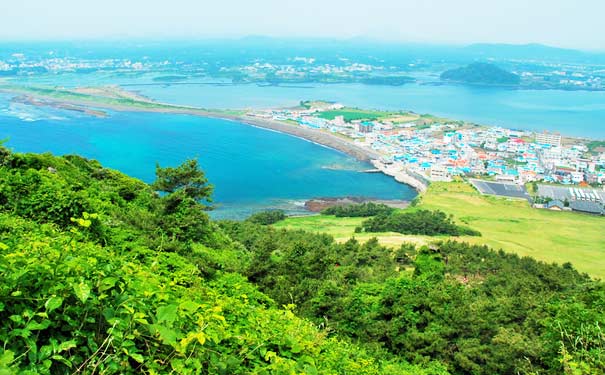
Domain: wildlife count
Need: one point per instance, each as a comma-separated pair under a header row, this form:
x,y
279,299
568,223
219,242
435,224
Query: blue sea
x,y
251,169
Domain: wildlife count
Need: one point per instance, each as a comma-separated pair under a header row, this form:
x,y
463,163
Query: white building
x,y
546,138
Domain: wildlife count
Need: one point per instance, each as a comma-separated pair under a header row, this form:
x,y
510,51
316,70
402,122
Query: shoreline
x,y
318,137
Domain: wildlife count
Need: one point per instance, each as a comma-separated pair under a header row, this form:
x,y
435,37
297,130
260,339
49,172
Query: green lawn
x,y
506,224
351,114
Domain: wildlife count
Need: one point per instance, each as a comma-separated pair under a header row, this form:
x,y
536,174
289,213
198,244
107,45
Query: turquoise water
x,y
251,168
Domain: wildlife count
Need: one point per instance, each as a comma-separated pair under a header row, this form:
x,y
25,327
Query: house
x,y
555,205
439,173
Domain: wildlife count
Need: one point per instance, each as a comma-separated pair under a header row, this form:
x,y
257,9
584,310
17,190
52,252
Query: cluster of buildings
x,y
438,151
259,71
19,64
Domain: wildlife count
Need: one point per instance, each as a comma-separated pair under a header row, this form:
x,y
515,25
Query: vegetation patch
x,y
267,217
358,210
352,114
423,222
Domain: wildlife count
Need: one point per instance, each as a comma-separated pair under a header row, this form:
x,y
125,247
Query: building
x,y
439,173
364,127
339,121
555,205
552,139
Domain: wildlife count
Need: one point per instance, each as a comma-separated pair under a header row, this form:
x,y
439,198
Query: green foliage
x,y
352,114
112,278
424,222
188,180
475,310
595,146
267,217
358,210
93,289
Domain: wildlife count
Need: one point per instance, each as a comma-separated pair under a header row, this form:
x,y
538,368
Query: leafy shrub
x,y
267,217
358,210
422,222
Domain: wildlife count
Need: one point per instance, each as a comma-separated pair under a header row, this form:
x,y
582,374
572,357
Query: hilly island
x,y
481,74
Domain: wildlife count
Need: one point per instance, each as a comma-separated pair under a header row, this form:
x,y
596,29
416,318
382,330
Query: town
x,y
419,149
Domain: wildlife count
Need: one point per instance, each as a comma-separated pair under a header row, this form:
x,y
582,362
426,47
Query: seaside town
x,y
419,149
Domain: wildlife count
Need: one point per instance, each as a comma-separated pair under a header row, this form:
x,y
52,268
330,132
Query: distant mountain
x,y
481,74
532,51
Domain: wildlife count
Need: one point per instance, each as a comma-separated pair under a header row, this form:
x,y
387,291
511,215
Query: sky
x,y
565,23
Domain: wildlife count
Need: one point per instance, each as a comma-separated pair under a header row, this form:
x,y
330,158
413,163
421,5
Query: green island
x,y
481,74
102,274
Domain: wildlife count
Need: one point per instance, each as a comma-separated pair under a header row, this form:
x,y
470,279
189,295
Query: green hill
x,y
481,74
101,274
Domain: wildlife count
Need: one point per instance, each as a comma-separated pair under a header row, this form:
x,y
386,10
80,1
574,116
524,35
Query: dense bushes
x,y
267,217
473,309
423,222
358,210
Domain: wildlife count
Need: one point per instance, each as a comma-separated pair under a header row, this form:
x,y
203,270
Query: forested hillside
x,y
102,273
481,74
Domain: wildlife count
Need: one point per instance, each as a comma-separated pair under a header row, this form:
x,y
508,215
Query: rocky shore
x,y
320,204
402,175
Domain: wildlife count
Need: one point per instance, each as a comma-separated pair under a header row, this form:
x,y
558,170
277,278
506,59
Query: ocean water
x,y
251,168
573,113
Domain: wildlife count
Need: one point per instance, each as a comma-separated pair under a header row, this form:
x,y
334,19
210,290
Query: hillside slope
x,y
102,275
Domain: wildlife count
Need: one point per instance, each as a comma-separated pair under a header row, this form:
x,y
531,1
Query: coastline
x,y
319,137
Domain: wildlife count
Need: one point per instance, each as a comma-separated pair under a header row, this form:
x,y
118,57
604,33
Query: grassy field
x,y
351,114
71,96
511,225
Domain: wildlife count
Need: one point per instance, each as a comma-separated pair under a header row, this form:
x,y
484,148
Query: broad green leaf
x,y
189,306
107,283
168,335
7,358
45,352
82,291
137,357
62,359
296,348
53,303
66,345
35,326
166,314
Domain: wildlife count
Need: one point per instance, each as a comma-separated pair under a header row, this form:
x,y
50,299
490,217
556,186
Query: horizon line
x,y
352,39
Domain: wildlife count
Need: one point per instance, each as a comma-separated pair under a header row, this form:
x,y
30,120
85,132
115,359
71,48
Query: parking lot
x,y
563,193
500,189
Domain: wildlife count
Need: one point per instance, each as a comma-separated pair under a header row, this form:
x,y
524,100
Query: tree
x,y
185,181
